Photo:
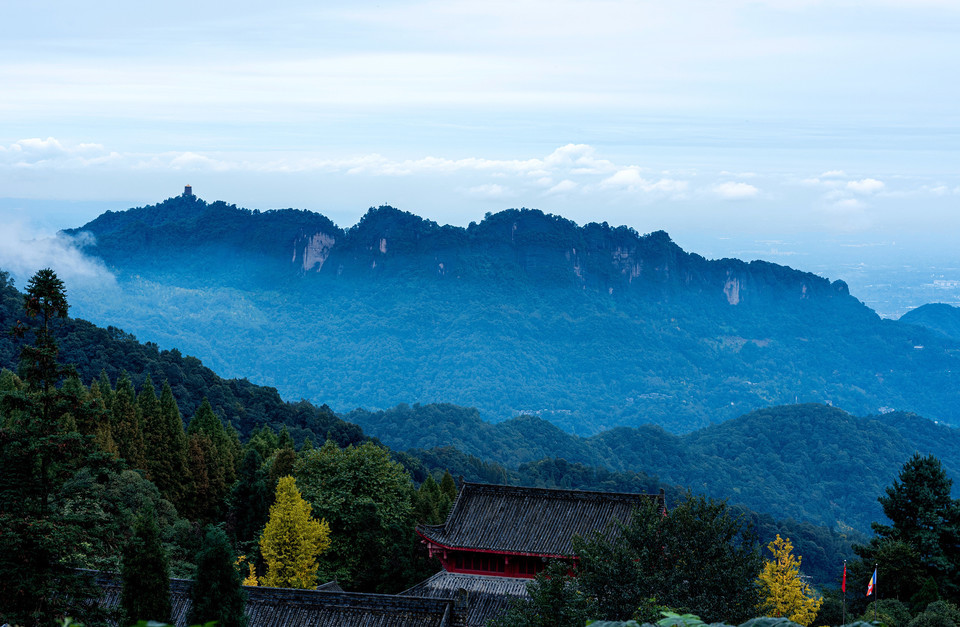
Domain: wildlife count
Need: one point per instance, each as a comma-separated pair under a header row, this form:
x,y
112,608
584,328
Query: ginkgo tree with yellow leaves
x,y
783,593
292,540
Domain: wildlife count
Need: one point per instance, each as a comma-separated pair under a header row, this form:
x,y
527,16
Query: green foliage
x,y
556,600
127,426
250,498
144,573
169,460
368,500
44,531
217,593
890,612
698,557
924,539
937,614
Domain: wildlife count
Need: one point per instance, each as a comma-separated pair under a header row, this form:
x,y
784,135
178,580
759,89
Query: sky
x,y
792,130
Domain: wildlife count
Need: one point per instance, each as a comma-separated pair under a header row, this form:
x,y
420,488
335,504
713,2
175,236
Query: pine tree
x,y
217,593
171,468
924,539
249,498
448,485
127,429
285,440
784,594
207,487
151,423
43,541
207,422
106,390
144,572
292,540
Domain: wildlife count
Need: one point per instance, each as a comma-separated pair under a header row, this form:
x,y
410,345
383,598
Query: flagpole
x,y
876,589
844,586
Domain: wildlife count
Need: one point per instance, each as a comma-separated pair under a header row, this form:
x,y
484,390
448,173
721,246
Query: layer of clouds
x,y
579,180
23,251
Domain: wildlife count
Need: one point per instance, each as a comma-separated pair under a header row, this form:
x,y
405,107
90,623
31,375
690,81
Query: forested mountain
x,y
810,462
110,358
96,352
591,327
936,317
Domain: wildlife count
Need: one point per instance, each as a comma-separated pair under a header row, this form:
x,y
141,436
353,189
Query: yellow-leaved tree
x,y
292,540
783,593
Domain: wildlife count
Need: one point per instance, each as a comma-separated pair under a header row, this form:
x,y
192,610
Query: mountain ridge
x,y
542,245
590,327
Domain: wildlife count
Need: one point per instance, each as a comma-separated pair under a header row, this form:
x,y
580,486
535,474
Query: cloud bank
x,y
23,251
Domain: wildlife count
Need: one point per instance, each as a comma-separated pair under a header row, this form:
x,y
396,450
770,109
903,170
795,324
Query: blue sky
x,y
794,121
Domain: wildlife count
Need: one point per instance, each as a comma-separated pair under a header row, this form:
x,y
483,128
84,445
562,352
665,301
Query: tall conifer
x,y
217,593
103,429
127,430
207,422
207,487
250,498
145,574
172,472
151,423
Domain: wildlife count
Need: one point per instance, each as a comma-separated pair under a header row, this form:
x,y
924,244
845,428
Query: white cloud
x,y
735,191
23,251
865,186
833,174
490,190
36,151
566,185
629,179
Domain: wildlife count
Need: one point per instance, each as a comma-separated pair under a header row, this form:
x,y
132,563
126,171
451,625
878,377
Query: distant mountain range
x,y
939,317
590,327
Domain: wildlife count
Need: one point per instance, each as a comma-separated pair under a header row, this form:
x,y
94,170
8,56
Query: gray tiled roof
x,y
485,596
285,607
538,521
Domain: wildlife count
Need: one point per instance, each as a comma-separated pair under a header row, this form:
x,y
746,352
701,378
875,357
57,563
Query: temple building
x,y
498,537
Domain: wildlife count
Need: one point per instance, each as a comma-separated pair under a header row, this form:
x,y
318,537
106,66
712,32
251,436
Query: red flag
x,y
843,586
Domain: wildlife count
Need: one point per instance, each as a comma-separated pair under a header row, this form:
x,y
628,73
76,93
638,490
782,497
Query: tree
x,y
697,558
145,573
217,593
127,427
368,500
556,600
925,519
292,540
171,467
249,502
43,534
784,594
